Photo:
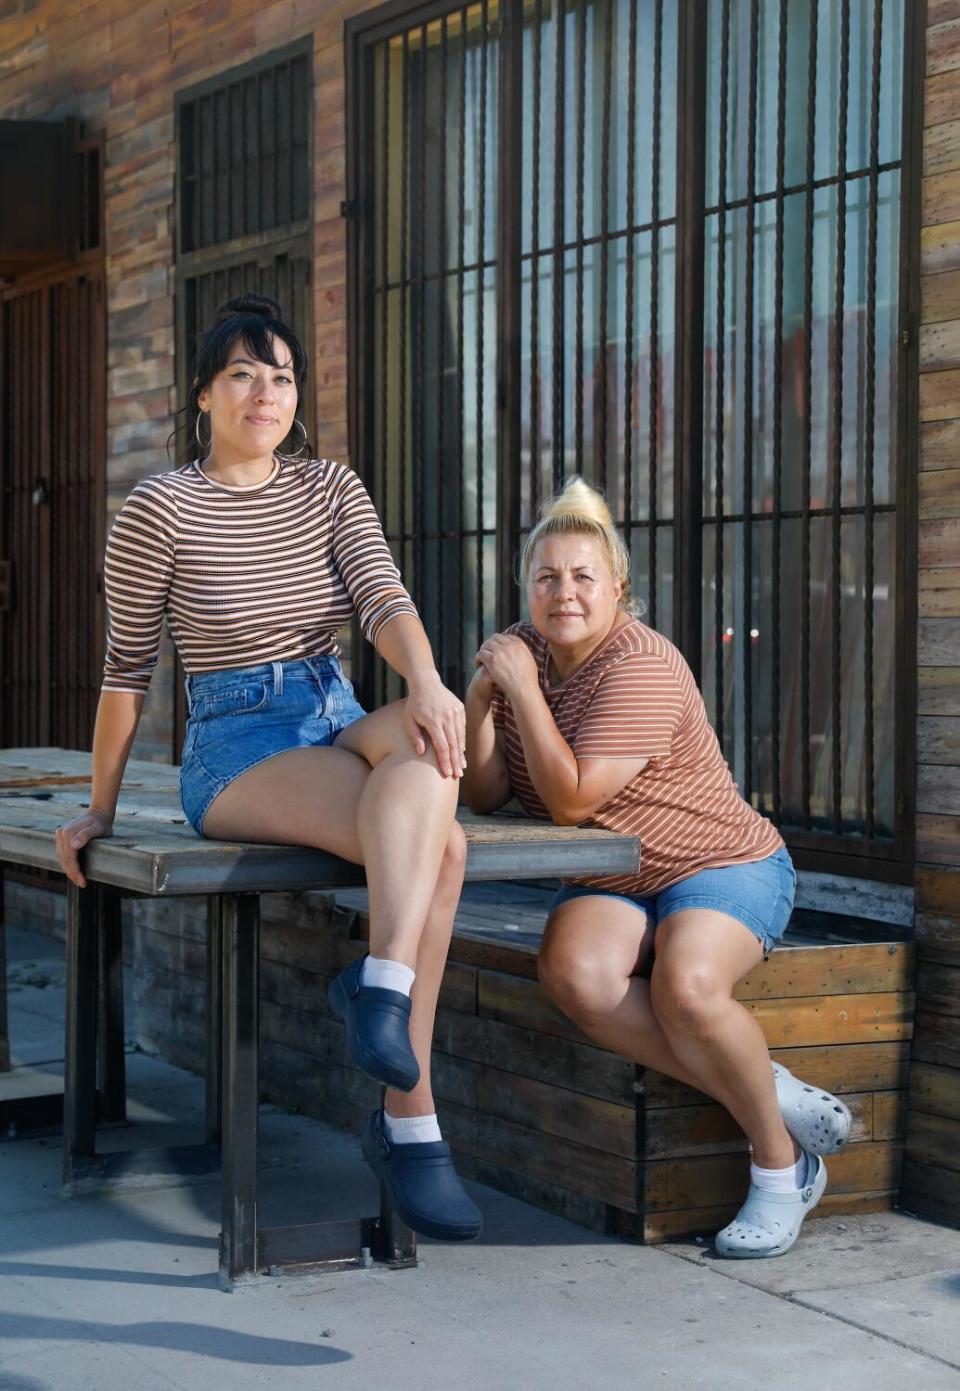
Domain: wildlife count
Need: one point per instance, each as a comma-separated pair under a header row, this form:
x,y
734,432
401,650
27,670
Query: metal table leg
x,y
241,978
80,1054
4,1025
111,1056
214,1018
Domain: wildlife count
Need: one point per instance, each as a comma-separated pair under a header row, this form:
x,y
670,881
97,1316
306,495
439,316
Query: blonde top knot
x,y
580,509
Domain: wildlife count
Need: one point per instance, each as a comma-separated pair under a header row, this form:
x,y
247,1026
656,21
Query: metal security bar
x,y
431,314
670,247
244,158
244,153
802,457
51,508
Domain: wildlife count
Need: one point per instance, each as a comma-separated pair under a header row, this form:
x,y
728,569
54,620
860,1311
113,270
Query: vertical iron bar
x,y
443,655
688,406
654,480
720,403
869,434
111,1059
805,772
836,574
535,267
631,215
241,970
419,474
481,272
461,384
581,162
559,199
4,1019
214,992
80,1041
404,280
381,678
778,403
745,640
600,424
510,308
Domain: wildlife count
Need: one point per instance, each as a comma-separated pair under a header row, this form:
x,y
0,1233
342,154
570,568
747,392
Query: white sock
x,y
788,1180
387,975
411,1130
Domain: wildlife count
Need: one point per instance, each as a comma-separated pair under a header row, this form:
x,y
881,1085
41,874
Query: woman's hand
x,y
431,711
509,663
74,835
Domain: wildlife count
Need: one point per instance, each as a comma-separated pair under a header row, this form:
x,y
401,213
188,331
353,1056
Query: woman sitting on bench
x,y
256,558
591,718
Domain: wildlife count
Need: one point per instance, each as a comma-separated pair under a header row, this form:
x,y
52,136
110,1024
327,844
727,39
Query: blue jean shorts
x,y
240,717
760,895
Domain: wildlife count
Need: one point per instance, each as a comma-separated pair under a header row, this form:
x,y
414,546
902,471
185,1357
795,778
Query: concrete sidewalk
x,y
115,1293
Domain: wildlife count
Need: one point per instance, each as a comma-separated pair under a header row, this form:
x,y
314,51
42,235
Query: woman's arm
x,y
118,715
430,708
570,789
486,782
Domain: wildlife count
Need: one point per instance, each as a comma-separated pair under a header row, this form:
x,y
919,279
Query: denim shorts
x,y
240,717
759,894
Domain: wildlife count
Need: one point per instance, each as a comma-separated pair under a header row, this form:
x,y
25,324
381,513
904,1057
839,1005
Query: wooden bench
x,y
535,1109
154,853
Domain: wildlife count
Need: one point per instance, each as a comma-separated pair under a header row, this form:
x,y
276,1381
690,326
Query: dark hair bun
x,y
249,304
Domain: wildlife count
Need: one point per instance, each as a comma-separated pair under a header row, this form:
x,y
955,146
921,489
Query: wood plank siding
x,y
931,1177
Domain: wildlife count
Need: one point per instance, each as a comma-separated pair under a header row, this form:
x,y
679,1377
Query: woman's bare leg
x,y
700,957
684,1022
591,951
370,799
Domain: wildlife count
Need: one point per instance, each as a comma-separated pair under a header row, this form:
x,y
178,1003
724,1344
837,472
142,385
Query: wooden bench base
x,y
535,1109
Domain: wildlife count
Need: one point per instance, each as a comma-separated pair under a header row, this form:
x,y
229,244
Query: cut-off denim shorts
x,y
240,717
760,895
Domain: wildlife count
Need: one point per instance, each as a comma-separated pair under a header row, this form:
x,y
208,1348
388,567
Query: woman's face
x,y
572,593
251,404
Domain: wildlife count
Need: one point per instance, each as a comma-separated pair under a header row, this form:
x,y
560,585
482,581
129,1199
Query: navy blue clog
x,y
423,1185
378,1028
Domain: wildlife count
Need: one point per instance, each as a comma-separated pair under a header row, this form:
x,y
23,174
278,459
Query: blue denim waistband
x,y
274,673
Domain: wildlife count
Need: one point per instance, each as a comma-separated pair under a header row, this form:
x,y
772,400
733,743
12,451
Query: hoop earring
x,y
204,448
303,448
297,454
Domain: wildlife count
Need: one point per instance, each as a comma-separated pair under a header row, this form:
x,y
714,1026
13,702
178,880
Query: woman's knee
x,y
582,984
454,862
686,1000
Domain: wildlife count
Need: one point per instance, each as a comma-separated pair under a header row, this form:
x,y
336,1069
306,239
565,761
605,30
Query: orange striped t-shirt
x,y
636,698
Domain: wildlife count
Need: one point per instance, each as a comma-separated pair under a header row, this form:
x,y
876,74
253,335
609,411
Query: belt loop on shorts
x,y
277,678
186,692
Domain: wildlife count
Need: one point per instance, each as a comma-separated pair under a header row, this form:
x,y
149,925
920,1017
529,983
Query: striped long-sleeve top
x,y
635,697
244,575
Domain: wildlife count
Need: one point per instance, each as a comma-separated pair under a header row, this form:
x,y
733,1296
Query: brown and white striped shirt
x,y
244,575
636,698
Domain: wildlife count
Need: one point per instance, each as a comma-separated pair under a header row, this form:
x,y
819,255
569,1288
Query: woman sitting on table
x,y
591,718
256,558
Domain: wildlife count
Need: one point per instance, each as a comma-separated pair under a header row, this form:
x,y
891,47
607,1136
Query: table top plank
x,y
154,851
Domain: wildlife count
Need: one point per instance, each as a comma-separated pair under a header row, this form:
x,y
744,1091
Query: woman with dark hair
x,y
256,557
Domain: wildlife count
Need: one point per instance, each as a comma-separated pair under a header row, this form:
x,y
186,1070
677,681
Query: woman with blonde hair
x,y
590,717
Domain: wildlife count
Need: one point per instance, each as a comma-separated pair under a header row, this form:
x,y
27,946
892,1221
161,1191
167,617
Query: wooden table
x,y
153,852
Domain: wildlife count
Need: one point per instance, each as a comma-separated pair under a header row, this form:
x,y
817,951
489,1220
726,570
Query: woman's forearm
x,y
486,783
118,715
550,760
405,646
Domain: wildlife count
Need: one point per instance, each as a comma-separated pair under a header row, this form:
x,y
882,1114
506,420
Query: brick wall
x,y
118,66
